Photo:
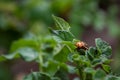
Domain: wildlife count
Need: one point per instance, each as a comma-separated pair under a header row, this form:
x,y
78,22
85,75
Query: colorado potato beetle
x,y
81,45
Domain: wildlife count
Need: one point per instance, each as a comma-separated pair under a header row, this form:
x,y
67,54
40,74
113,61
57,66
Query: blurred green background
x,y
88,19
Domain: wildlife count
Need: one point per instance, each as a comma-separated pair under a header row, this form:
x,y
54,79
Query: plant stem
x,y
81,73
80,70
40,62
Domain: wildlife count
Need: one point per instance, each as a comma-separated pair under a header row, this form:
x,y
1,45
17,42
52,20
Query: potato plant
x,y
58,57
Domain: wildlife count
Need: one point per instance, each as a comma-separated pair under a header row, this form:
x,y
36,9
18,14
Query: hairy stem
x,y
81,74
41,62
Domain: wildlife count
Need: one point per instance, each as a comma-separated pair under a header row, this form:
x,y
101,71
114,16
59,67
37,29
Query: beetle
x,y
81,45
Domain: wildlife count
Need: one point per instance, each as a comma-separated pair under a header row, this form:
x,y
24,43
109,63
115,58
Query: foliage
x,y
56,49
17,17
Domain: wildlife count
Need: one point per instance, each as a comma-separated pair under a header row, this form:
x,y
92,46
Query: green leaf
x,y
80,60
70,44
107,51
61,24
62,74
63,35
71,69
101,60
96,62
62,55
99,75
106,68
104,59
89,70
76,57
63,66
91,53
51,68
24,43
63,31
70,57
28,54
57,39
9,56
37,76
103,47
